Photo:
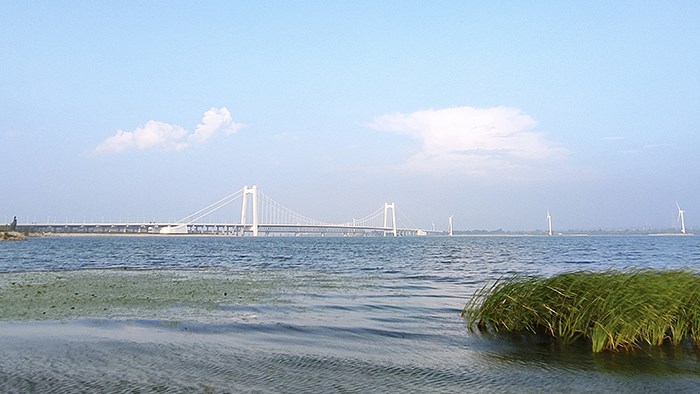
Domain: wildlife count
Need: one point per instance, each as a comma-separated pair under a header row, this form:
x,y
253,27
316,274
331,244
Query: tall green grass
x,y
613,310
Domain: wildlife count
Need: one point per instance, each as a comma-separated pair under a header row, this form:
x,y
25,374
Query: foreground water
x,y
160,314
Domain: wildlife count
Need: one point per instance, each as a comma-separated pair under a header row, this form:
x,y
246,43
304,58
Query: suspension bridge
x,y
259,215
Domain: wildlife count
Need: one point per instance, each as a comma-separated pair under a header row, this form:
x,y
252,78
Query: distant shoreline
x,y
12,236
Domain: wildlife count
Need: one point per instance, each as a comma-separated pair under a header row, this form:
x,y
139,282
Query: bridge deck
x,y
234,229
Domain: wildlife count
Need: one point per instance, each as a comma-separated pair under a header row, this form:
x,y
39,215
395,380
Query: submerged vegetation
x,y
611,310
122,293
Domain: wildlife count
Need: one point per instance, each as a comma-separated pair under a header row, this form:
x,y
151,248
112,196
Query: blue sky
x,y
493,112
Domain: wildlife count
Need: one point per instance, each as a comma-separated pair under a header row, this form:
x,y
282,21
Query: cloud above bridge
x,y
164,136
471,140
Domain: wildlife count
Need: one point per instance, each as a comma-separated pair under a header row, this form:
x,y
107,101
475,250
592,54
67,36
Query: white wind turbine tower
x,y
681,217
449,225
549,223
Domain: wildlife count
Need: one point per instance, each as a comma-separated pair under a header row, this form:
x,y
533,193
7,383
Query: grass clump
x,y
613,310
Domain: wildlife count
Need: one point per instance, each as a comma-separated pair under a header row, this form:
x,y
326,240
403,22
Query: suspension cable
x,y
211,208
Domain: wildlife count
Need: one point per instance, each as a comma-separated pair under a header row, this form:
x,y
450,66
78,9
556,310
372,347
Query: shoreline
x,y
12,236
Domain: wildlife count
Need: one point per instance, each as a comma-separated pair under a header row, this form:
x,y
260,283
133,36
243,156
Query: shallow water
x,y
305,314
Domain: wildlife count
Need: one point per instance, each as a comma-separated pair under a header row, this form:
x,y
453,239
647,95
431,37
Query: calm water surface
x,y
342,315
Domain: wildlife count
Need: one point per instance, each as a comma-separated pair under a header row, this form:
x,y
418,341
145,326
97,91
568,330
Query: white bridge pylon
x,y
260,213
253,192
387,207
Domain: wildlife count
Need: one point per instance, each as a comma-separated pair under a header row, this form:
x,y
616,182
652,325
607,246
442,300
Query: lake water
x,y
274,314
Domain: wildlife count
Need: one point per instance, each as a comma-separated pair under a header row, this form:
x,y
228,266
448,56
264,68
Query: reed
x,y
613,310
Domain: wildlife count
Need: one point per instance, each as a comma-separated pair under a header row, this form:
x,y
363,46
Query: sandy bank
x,y
11,236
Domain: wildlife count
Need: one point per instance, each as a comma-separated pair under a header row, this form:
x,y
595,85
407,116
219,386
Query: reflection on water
x,y
320,315
648,360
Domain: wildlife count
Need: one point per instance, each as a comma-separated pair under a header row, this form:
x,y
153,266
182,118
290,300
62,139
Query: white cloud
x,y
165,136
645,148
153,134
286,136
473,140
215,120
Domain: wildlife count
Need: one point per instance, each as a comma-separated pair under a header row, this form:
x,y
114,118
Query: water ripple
x,y
307,315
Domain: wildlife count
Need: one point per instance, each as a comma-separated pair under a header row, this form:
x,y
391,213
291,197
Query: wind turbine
x,y
681,217
449,223
549,223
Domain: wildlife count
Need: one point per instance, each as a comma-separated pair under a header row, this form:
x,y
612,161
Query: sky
x,y
493,112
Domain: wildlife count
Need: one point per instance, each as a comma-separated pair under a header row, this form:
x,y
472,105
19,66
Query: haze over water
x,y
230,314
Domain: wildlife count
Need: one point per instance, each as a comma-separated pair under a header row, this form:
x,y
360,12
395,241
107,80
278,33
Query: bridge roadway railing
x,y
214,229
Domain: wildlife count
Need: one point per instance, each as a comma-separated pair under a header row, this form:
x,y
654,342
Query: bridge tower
x,y
253,191
387,207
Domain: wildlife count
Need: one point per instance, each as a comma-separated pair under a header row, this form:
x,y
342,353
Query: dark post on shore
x,y
13,225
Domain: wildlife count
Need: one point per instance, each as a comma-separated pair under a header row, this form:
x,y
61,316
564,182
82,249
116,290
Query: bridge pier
x,y
253,191
387,207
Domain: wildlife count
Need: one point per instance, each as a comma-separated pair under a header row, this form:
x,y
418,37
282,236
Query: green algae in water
x,y
57,295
